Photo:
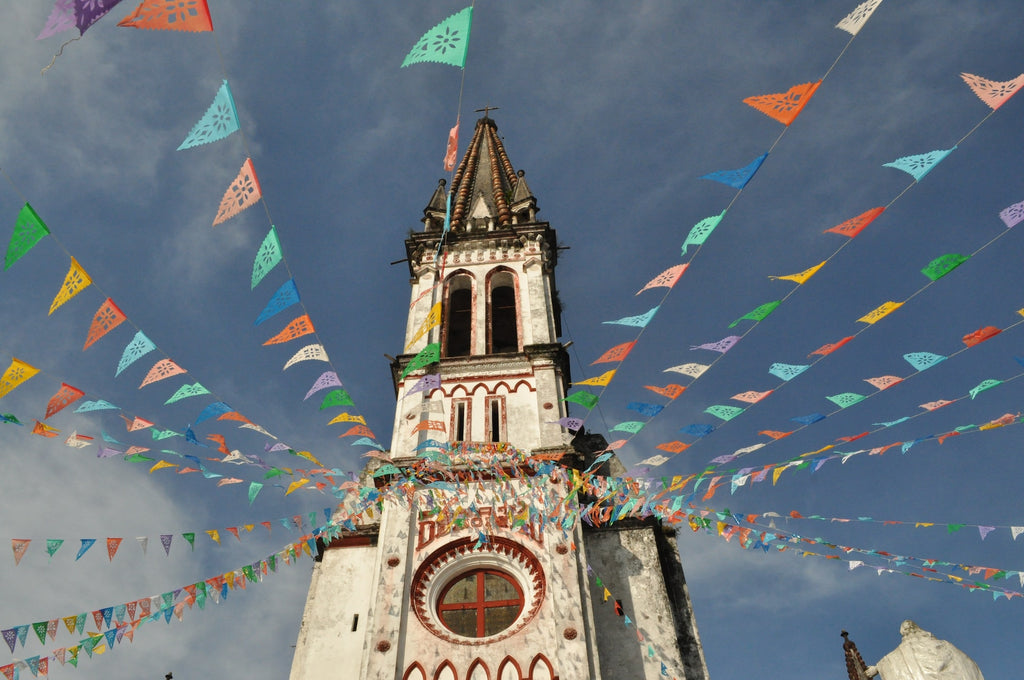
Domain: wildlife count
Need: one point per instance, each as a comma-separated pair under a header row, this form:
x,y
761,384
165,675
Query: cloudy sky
x,y
614,110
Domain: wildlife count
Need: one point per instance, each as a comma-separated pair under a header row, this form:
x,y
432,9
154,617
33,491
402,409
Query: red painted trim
x,y
539,659
440,669
415,667
478,663
505,663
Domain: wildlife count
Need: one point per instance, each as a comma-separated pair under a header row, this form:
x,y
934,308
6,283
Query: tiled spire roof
x,y
486,191
855,666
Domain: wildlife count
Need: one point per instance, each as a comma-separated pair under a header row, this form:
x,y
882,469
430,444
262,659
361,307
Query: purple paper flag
x,y
723,345
328,379
431,381
62,18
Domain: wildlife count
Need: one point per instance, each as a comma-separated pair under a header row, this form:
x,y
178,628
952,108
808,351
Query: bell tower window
x,y
459,317
503,329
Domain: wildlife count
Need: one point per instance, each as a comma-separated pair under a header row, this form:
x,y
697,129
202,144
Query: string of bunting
x,y
783,107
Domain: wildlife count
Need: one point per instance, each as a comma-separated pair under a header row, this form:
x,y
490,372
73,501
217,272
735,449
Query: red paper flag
x,y
617,353
855,225
107,318
65,395
170,15
825,350
112,545
358,431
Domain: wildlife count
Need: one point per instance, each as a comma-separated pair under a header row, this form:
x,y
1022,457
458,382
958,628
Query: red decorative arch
x,y
446,664
542,662
506,663
415,672
523,383
478,663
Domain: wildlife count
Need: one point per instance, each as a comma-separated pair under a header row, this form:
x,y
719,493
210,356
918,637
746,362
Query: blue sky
x,y
614,110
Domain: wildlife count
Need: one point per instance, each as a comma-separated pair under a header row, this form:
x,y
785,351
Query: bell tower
x,y
471,562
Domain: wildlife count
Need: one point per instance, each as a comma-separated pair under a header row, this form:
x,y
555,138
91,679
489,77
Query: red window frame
x,y
479,603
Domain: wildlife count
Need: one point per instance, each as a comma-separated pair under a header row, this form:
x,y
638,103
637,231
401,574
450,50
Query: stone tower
x,y
480,569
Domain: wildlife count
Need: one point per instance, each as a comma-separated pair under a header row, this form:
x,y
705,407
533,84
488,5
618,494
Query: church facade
x,y
482,570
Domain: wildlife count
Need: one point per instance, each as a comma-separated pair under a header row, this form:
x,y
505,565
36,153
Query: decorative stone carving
x,y
922,656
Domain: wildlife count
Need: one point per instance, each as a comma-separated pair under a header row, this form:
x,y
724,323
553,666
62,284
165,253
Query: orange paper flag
x,y
170,15
786,106
107,318
296,329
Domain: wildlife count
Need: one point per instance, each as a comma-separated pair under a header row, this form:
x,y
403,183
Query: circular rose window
x,y
470,595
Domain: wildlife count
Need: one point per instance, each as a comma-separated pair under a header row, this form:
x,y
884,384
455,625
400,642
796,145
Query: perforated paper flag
x,y
308,353
751,397
671,390
136,349
883,382
165,368
338,397
737,179
1012,215
919,165
855,225
786,106
243,193
943,265
701,231
64,396
993,93
800,277
786,371
62,18
268,257
451,149
693,370
631,426
75,281
981,335
88,12
108,317
428,355
433,320
644,409
170,15
584,399
431,381
723,345
855,20
666,279
326,379
638,321
600,380
186,391
724,412
17,373
984,385
923,360
880,312
830,347
29,229
759,314
219,121
299,327
445,43
615,354
846,399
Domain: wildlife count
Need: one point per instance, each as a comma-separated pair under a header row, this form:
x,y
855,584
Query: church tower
x,y
476,566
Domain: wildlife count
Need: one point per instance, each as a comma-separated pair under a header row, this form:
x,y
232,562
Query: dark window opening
x,y
460,422
480,603
495,421
504,320
355,622
460,322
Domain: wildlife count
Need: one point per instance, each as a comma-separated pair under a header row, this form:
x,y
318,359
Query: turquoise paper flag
x,y
920,165
445,43
136,349
267,257
786,371
366,441
219,121
186,391
923,360
700,231
98,405
631,426
846,399
640,320
737,179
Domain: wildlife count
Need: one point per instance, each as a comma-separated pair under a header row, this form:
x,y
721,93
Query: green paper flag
x,y
268,256
584,399
191,538
723,412
701,231
631,426
428,355
759,314
985,385
338,397
941,266
40,629
53,545
186,391
445,43
29,229
846,399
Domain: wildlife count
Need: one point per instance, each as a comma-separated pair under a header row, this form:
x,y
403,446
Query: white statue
x,y
922,656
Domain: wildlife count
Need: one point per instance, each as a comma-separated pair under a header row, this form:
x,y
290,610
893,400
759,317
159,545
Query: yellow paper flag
x,y
800,277
600,381
161,464
295,485
433,320
347,418
880,312
17,373
74,283
214,534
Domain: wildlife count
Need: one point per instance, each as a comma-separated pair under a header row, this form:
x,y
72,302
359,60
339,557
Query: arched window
x,y
459,317
480,603
503,329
